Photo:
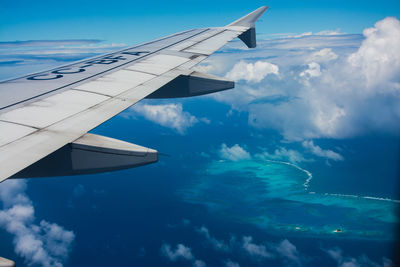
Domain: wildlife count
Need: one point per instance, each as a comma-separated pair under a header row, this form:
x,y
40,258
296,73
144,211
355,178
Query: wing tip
x,y
250,19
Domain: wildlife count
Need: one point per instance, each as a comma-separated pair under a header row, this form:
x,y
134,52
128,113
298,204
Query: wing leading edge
x,y
44,130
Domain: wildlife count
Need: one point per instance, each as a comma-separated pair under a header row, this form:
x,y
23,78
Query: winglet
x,y
249,36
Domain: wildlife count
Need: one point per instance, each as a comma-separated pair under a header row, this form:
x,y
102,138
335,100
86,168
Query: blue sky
x,y
136,21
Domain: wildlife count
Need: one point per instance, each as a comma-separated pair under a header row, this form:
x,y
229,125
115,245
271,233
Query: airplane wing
x,y
45,117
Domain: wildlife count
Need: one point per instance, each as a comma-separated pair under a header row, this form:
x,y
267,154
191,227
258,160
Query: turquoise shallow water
x,y
277,196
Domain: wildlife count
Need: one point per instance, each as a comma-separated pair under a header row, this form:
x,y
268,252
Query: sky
x,y
311,127
131,22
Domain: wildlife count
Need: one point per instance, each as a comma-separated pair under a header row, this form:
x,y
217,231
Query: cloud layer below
x,y
44,244
168,115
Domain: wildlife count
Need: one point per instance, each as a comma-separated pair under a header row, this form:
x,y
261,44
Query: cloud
x,y
234,153
259,251
284,250
343,261
326,32
287,250
329,86
323,55
180,253
314,70
252,72
216,244
245,248
46,244
378,58
284,154
168,115
318,151
230,263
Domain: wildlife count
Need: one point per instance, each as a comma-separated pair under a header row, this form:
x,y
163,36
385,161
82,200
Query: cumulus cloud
x,y
252,72
323,55
283,154
314,70
181,252
343,261
318,151
327,87
288,251
378,58
284,250
168,115
234,153
245,248
216,244
259,251
45,244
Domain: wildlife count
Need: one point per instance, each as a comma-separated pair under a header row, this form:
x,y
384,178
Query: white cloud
x,y
326,32
216,244
289,251
363,260
234,153
283,154
46,244
168,115
302,34
259,251
378,58
252,72
323,55
318,151
344,91
314,70
181,252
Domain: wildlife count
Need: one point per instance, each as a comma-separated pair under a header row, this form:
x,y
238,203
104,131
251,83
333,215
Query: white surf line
x,y
307,183
309,174
365,197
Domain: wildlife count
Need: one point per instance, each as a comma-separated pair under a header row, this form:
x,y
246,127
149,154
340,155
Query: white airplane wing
x,y
45,117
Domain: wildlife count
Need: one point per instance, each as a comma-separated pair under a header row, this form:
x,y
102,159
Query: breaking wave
x,y
365,197
306,184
